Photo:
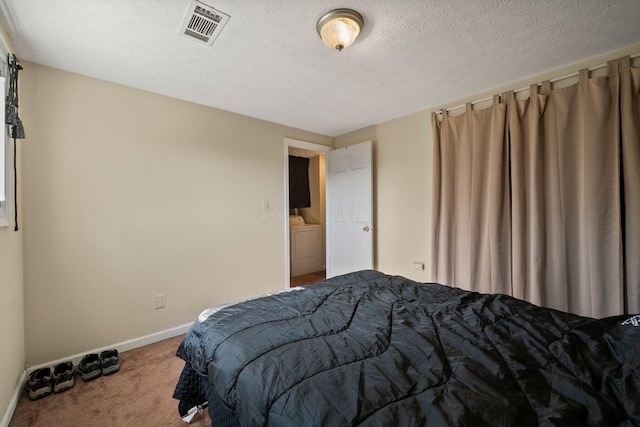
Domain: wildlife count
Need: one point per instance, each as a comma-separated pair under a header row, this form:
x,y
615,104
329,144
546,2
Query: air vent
x,y
202,22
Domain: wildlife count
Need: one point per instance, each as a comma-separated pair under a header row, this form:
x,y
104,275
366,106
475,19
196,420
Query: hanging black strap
x,y
15,184
13,120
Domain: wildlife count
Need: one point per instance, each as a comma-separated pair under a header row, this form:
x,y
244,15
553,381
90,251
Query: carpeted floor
x,y
138,395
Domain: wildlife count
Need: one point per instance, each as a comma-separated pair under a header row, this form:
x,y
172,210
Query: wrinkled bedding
x,y
376,350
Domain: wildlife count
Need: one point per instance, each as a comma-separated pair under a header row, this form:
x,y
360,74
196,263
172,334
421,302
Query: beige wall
x,y
127,195
11,290
402,161
11,314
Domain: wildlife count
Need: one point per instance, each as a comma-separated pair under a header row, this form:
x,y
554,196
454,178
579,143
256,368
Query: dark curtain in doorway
x,y
299,195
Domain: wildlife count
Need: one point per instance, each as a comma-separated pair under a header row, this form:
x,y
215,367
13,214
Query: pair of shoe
x,y
93,365
42,382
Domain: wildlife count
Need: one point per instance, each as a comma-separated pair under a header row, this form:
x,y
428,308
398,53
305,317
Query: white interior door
x,y
349,191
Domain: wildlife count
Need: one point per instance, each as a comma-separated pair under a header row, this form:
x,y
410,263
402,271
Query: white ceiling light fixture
x,y
340,28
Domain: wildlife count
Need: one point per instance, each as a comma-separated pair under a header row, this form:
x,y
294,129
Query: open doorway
x,y
305,226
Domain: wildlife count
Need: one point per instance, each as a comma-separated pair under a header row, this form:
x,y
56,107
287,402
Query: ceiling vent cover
x,y
202,22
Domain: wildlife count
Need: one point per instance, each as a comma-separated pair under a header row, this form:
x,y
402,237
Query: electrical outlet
x,y
160,301
418,265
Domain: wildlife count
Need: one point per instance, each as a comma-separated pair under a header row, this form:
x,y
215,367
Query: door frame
x,y
310,146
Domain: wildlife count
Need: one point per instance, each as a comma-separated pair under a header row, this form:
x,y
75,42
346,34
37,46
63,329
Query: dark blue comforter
x,y
376,350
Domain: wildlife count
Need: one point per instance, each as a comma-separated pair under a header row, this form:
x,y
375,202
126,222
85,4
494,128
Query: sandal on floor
x,y
89,367
39,383
63,376
109,361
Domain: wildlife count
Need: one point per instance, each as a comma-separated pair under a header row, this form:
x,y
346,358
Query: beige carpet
x,y
138,395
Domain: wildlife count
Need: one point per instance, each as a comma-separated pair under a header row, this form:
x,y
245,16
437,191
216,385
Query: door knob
x,y
366,229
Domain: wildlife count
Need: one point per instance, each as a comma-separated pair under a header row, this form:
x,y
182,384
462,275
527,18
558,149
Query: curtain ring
x,y
508,96
612,67
584,74
624,63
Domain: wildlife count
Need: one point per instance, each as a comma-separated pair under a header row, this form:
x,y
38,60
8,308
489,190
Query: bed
x,y
372,349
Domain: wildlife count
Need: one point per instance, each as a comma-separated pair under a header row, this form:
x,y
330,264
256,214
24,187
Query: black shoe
x,y
109,361
89,367
63,376
39,383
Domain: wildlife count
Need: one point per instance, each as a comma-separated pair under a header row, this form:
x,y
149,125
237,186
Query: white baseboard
x,y
121,347
6,418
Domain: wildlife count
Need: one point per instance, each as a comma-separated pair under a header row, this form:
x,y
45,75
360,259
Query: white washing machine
x,y
306,246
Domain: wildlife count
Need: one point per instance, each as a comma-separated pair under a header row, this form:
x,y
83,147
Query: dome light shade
x,y
340,28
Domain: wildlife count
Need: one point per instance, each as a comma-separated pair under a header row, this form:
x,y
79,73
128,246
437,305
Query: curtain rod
x,y
557,79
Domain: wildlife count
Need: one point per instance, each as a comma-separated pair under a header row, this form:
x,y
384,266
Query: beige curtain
x,y
566,219
630,129
471,239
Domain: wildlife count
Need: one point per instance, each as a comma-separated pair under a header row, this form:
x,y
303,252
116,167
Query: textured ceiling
x,y
269,62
